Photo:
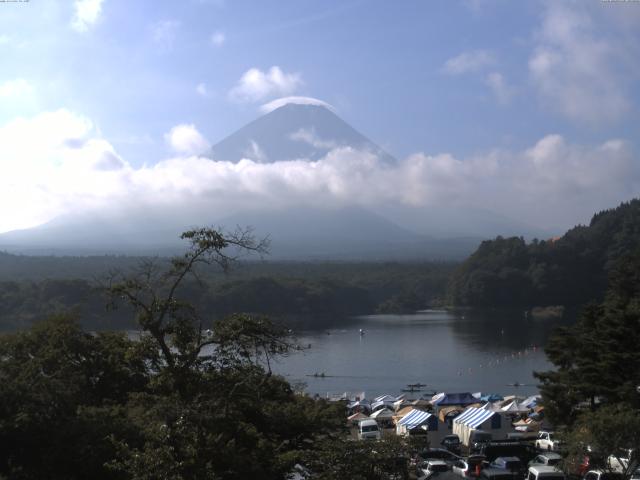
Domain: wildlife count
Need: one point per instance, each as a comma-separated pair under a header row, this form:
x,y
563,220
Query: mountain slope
x,y
349,233
291,132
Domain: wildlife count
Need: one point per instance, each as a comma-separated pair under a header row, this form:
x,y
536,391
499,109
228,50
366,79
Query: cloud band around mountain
x,y
55,163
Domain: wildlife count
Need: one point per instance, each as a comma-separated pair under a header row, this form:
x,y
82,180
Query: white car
x,y
620,462
547,441
431,467
601,475
551,459
544,472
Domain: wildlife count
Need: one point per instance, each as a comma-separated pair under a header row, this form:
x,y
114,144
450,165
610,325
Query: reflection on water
x,y
449,351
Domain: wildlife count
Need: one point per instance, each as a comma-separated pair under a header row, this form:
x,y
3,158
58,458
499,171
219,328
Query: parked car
x,y
544,472
451,443
466,467
368,430
498,474
620,462
431,467
550,458
512,464
548,441
439,454
508,448
602,475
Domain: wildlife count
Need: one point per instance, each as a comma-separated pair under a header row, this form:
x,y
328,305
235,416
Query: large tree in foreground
x,y
190,399
593,396
597,359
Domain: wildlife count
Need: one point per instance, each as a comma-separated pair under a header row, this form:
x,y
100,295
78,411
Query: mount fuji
x,y
292,130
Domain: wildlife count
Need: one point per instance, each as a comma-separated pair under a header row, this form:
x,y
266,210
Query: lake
x,y
449,351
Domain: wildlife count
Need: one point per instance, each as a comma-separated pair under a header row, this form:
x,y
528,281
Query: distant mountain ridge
x,y
569,270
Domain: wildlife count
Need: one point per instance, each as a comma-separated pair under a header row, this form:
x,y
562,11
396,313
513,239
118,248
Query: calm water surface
x,y
449,351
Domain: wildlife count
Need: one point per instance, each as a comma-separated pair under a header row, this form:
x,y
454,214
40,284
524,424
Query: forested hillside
x,y
570,270
40,286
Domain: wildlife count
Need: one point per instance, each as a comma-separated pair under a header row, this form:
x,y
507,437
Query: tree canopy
x,y
569,270
190,399
593,394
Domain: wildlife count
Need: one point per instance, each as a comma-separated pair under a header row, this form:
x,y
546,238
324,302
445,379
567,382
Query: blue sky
x,y
475,85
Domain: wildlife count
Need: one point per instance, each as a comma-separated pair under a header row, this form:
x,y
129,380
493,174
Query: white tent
x,y
384,401
356,417
513,407
424,423
359,406
472,419
380,414
384,417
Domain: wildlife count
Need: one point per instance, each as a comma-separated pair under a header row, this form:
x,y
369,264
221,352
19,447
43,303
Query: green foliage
x,y
571,270
305,291
339,458
597,359
182,402
613,432
61,397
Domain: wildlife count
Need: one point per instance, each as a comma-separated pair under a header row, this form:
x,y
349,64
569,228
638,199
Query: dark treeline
x,y
570,270
276,289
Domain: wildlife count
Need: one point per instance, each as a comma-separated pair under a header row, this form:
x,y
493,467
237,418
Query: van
x,y
368,430
544,472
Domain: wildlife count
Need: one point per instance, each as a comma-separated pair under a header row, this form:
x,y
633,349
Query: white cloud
x,y
4,39
256,85
576,69
468,62
310,137
164,32
500,87
186,139
15,88
55,163
201,89
217,39
280,102
86,14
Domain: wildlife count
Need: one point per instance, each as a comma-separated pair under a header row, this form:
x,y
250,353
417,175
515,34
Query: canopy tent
x,y
400,404
415,419
359,406
384,417
445,413
387,398
423,423
380,404
513,407
530,402
383,413
356,417
448,399
474,418
491,398
348,396
527,425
